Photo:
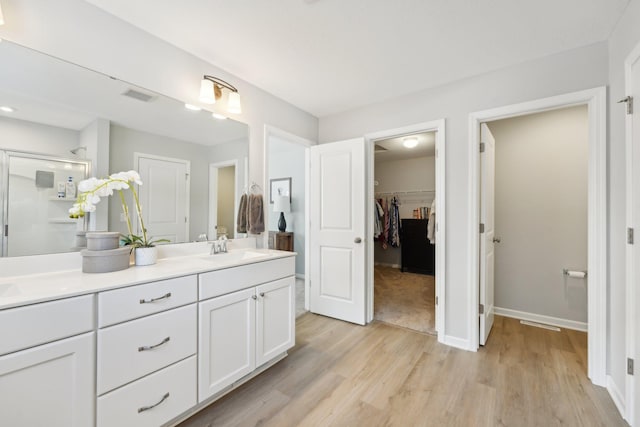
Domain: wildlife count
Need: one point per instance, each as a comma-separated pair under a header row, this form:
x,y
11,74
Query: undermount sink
x,y
9,290
238,255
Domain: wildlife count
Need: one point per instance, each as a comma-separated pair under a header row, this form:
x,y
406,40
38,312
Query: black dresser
x,y
418,255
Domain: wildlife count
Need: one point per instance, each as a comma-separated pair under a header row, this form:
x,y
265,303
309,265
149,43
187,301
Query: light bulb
x,y
192,107
410,142
218,116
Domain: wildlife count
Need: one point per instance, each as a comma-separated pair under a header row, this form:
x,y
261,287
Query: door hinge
x,y
186,176
481,228
629,101
436,300
482,147
6,230
481,309
630,236
629,366
186,220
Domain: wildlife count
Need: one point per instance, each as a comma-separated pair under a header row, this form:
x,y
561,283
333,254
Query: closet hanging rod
x,y
392,193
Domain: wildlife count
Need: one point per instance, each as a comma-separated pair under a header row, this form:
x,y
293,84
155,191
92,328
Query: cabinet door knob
x,y
254,297
496,240
262,294
357,240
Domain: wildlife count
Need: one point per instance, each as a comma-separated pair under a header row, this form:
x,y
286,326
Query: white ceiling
x,y
394,150
328,56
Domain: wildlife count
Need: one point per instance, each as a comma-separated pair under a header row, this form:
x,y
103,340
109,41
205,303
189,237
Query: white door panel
x,y
337,229
163,197
487,217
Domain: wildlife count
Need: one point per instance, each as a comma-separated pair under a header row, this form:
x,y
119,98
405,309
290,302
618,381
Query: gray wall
x,y
287,159
22,135
541,212
569,71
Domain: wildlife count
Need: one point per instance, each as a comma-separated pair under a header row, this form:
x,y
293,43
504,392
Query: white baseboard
x,y
617,397
385,264
539,318
457,342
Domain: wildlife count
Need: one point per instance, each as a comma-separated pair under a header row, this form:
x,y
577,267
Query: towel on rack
x,y
431,225
241,222
255,214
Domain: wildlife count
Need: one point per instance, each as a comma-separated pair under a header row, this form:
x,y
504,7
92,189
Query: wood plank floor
x,y
405,299
341,374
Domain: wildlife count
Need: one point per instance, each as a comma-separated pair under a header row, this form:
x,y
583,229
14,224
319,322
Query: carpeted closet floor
x,y
404,299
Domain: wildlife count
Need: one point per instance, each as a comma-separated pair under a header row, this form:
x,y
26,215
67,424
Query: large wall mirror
x,y
61,123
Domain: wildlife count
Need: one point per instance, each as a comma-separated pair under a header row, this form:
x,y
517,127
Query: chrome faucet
x,y
219,246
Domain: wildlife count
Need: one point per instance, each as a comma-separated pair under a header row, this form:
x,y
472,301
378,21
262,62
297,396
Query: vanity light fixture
x,y
410,142
218,116
211,90
1,16
7,109
192,107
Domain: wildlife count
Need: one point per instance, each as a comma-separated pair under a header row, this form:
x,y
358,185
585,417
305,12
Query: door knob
x,y
357,240
496,240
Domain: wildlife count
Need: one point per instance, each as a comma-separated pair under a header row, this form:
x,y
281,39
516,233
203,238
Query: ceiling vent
x,y
140,96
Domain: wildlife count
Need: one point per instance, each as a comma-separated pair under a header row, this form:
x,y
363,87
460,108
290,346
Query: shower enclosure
x,y
34,217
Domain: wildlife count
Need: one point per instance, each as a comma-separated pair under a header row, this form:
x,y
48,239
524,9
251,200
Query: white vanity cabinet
x,y
247,327
146,366
50,384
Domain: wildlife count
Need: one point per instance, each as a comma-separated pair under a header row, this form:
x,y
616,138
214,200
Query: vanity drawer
x,y
141,300
25,327
131,350
131,404
220,282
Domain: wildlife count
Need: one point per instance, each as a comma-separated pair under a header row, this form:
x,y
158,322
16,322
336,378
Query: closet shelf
x,y
394,193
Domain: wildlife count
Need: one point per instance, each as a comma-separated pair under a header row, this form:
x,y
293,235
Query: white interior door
x,y
337,226
633,250
164,197
487,218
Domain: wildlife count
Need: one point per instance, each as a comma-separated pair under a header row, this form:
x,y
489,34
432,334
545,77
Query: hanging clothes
x,y
431,225
384,237
394,223
378,217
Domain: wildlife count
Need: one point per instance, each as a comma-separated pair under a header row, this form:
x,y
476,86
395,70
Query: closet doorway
x,y
404,248
407,244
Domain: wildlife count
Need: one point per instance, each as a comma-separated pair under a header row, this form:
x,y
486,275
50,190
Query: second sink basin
x,y
237,256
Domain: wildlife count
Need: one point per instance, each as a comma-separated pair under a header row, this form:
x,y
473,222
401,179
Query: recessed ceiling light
x,y
410,142
192,107
7,109
218,116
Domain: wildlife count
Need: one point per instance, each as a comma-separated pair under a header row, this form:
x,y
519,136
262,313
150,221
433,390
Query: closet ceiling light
x,y
211,90
192,107
7,109
410,142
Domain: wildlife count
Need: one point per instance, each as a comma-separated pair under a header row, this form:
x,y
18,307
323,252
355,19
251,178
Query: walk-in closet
x,y
404,232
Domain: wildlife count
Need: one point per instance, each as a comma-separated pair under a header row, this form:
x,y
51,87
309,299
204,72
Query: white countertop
x,y
34,288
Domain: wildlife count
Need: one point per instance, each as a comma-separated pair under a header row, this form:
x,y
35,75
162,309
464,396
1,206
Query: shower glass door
x,y
36,217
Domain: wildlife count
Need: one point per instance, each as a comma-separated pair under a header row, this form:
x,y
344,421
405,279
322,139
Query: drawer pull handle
x,y
151,347
147,301
146,408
